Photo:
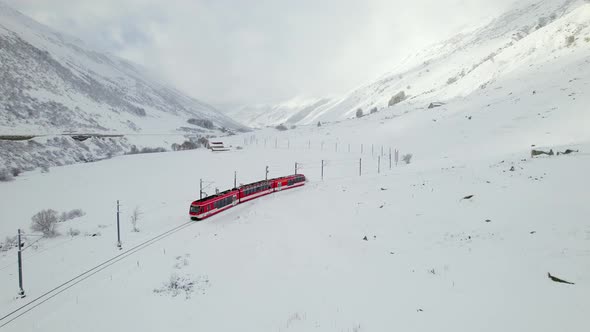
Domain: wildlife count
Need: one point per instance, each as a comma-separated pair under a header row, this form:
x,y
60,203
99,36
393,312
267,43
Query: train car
x,y
288,182
255,190
211,205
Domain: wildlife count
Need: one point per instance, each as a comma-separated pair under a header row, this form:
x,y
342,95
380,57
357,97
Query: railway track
x,y
39,300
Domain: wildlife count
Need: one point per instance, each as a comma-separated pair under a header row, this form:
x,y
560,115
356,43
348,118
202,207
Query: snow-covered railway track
x,y
20,311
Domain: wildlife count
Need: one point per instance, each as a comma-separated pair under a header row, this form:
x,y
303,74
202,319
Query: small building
x,y
217,146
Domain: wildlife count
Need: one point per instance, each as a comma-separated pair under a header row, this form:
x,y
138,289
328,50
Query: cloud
x,y
247,51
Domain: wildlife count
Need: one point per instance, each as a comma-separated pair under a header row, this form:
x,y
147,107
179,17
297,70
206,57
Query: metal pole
x,y
235,179
276,142
381,149
309,144
361,149
372,151
348,147
201,189
295,167
21,291
288,144
322,146
378,164
322,169
336,146
119,244
266,175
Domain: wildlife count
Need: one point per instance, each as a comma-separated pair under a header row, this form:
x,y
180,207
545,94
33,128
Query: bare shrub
x,y
281,127
9,243
135,216
373,110
73,232
15,171
76,213
5,175
397,98
451,80
407,158
176,285
569,40
45,221
319,123
359,113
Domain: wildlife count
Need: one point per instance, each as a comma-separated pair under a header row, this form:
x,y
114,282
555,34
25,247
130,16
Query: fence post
x,y
360,166
389,158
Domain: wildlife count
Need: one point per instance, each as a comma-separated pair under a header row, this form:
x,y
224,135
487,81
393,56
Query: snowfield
x,y
297,260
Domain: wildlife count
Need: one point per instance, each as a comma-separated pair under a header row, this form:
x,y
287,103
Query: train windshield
x,y
194,209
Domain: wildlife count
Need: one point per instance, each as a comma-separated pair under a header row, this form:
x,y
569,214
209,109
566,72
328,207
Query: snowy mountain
x,y
52,83
288,112
528,39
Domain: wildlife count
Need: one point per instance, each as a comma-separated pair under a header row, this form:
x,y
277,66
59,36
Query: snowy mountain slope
x,y
51,83
289,112
525,38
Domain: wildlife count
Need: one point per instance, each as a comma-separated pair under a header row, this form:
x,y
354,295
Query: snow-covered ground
x,y
297,260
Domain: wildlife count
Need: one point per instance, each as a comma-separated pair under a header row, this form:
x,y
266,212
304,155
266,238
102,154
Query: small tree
x,y
373,110
407,158
45,221
359,113
319,124
135,216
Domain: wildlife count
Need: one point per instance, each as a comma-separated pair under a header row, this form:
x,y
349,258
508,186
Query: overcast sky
x,y
265,51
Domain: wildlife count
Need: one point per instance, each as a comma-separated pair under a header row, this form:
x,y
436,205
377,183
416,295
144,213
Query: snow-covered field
x,y
297,260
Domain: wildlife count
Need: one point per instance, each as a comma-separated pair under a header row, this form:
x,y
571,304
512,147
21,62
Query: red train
x,y
211,205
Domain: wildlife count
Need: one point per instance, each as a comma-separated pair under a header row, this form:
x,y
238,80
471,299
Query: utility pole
x,y
119,244
361,148
266,175
235,179
322,170
295,167
288,144
201,189
21,291
378,164
381,149
396,157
